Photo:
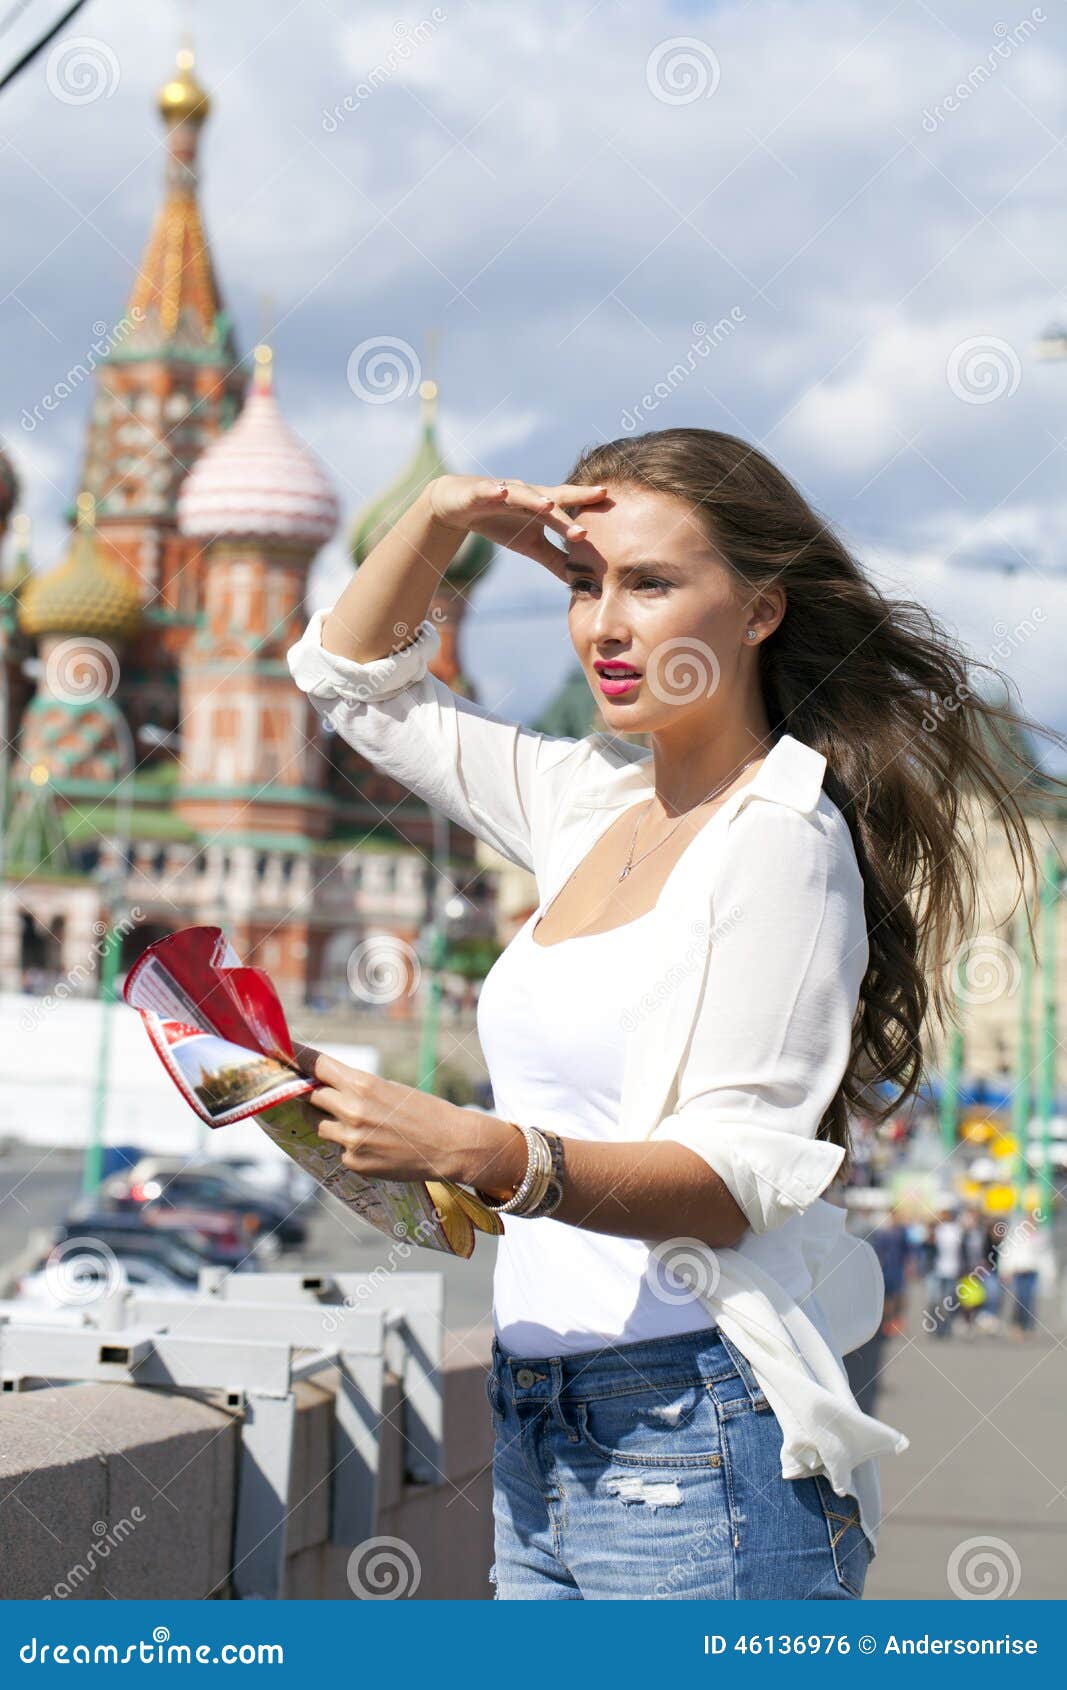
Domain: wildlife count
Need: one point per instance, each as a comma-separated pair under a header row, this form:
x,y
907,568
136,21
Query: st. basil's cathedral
x,y
157,645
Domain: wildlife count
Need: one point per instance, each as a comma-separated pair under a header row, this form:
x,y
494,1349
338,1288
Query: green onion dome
x,y
375,520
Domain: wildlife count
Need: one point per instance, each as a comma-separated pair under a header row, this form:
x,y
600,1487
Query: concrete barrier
x,y
115,1491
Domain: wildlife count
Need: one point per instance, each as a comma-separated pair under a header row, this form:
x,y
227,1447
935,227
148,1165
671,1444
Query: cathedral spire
x,y
175,300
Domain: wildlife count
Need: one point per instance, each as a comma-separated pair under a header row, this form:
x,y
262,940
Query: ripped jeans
x,y
652,1470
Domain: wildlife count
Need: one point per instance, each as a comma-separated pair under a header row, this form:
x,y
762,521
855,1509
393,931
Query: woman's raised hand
x,y
514,515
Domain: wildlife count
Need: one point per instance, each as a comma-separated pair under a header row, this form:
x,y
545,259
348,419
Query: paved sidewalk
x,y
987,1420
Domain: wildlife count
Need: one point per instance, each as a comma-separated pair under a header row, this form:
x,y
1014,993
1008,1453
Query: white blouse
x,y
756,951
552,1026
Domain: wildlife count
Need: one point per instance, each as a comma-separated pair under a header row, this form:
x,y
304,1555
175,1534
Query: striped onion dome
x,y
87,593
258,480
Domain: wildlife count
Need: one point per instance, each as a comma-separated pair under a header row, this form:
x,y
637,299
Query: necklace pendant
x,y
625,872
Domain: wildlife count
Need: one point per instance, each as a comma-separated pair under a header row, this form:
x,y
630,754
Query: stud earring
x,y
751,633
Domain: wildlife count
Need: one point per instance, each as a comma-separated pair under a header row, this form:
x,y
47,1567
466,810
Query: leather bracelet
x,y
553,1195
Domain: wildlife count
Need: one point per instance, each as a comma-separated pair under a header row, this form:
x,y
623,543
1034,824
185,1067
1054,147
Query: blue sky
x,y
871,196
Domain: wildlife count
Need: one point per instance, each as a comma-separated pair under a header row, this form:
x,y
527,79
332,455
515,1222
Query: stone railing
x,y
125,1491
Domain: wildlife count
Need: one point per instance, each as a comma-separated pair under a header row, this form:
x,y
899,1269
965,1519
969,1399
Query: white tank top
x,y
551,1025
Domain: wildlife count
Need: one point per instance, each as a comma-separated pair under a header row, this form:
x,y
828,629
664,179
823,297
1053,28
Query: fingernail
x,y
576,528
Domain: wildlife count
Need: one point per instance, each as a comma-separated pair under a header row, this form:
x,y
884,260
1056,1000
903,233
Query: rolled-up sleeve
x,y
773,1033
485,772
328,679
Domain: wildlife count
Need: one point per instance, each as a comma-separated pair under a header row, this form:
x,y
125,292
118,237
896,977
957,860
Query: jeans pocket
x,y
849,1545
670,1425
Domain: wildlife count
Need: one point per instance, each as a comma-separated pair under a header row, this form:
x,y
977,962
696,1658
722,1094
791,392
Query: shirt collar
x,y
791,773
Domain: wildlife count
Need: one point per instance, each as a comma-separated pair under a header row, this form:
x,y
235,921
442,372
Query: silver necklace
x,y
631,864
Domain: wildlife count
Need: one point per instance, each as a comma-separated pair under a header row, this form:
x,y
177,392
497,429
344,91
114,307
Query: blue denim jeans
x,y
1024,1299
652,1470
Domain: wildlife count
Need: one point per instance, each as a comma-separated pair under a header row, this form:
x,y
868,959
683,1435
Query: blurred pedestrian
x,y
1026,1265
948,1269
975,1247
890,1241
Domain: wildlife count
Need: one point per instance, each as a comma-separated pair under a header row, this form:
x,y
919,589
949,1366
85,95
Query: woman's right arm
x,y
391,591
364,665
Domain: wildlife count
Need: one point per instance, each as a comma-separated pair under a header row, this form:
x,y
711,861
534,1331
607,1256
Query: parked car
x,y
227,1230
180,1248
140,1273
199,1185
278,1178
117,1157
231,1229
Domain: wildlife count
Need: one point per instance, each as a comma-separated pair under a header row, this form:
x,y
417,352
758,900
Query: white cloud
x,y
515,184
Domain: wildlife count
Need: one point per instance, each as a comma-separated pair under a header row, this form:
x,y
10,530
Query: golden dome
x,y
181,98
85,594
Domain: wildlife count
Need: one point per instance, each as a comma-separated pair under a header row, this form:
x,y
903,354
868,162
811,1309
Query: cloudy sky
x,y
869,200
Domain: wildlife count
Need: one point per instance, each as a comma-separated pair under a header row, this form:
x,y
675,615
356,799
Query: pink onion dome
x,y
258,480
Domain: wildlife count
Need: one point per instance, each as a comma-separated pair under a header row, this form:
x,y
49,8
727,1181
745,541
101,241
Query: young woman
x,y
725,955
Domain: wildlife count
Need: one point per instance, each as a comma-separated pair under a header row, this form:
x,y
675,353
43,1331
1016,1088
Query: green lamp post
x,y
447,908
112,899
110,951
1021,1096
1046,1074
948,1111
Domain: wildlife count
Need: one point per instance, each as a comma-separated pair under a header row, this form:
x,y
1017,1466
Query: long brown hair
x,y
890,699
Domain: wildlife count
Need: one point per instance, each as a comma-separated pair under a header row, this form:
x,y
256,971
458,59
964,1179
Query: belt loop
x,y
744,1368
555,1373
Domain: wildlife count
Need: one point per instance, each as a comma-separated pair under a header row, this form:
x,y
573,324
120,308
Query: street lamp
x,y
447,909
1053,882
949,1103
1021,1096
112,888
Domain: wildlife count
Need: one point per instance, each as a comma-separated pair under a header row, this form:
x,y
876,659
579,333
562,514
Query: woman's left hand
x,y
386,1130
